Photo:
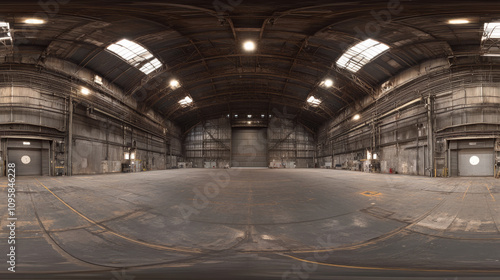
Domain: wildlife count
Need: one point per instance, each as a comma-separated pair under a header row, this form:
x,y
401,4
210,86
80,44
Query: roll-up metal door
x,y
28,161
249,147
475,162
454,163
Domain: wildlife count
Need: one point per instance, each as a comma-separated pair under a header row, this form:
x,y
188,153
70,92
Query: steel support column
x,y
430,135
69,143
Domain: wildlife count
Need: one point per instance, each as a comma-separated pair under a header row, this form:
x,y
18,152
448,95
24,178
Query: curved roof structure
x,y
199,44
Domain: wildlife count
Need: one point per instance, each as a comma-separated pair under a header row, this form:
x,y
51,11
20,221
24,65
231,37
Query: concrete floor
x,y
254,224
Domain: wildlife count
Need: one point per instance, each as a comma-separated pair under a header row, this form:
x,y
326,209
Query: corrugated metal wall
x,y
209,141
287,142
290,142
35,107
466,105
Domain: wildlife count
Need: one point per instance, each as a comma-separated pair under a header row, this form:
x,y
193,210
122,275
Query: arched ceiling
x,y
199,43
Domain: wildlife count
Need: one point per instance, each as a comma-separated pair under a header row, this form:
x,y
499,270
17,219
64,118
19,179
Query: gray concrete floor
x,y
253,224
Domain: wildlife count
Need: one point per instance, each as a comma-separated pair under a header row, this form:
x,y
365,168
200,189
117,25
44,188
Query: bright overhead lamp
x,y
327,83
34,21
360,54
98,79
174,84
313,101
458,21
356,117
85,91
26,143
186,101
249,122
249,116
249,46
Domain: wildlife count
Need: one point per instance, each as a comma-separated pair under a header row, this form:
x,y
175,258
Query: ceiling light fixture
x,y
458,21
174,84
327,83
34,21
98,79
356,117
85,91
249,46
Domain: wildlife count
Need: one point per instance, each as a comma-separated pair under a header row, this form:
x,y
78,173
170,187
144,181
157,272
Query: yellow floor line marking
x,y
371,193
388,268
161,247
465,193
55,180
486,185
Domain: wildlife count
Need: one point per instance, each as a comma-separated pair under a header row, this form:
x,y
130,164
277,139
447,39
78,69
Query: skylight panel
x,y
136,55
491,31
360,54
313,101
187,101
5,34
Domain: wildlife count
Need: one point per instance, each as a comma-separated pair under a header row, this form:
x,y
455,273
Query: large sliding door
x,y
476,162
249,147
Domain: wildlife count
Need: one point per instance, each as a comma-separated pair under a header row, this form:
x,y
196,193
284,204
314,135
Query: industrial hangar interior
x,y
249,139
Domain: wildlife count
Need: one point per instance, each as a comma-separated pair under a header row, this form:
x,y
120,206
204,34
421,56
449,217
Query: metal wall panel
x,y
454,163
475,162
249,148
45,162
476,144
33,167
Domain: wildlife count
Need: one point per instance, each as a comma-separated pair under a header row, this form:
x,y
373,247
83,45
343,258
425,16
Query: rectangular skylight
x,y
186,101
491,31
136,55
5,34
360,54
313,101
